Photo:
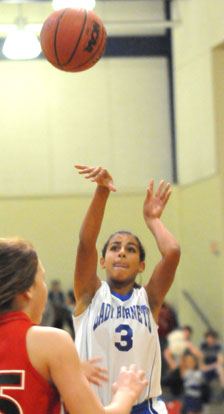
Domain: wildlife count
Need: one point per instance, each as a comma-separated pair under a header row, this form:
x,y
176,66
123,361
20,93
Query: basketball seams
x,y
78,41
92,57
55,37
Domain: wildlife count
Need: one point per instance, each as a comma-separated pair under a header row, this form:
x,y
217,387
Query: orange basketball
x,y
73,39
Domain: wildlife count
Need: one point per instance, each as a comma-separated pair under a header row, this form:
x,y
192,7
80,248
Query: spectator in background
x,y
59,309
212,357
179,345
70,302
57,301
188,332
167,323
192,384
48,315
167,320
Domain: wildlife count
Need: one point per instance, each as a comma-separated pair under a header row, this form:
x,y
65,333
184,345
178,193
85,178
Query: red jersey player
x,y
39,365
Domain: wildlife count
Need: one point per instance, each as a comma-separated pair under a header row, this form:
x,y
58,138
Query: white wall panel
x,y
196,144
115,114
140,121
201,30
24,134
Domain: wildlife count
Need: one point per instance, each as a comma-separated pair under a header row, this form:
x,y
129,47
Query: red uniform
x,y
22,389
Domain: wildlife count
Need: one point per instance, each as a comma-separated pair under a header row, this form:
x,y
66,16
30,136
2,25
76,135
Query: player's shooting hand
x,y
97,174
132,380
155,202
93,372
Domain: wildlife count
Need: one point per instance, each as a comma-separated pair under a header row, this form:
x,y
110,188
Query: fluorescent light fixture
x,y
5,29
21,44
61,4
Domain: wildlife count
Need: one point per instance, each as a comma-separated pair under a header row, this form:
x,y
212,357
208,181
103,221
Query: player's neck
x,y
120,288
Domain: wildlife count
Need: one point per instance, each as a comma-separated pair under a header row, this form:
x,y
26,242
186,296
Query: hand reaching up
x,y
132,380
154,203
97,174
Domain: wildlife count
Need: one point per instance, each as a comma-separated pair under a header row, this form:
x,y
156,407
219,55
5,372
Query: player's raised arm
x,y
86,281
169,248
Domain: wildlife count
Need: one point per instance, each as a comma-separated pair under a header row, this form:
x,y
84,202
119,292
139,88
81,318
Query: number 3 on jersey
x,y
126,341
10,380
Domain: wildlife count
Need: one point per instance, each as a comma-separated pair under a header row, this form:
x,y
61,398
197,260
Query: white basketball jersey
x,y
122,331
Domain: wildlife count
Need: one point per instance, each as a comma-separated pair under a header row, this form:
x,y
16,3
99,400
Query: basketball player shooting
x,y
113,320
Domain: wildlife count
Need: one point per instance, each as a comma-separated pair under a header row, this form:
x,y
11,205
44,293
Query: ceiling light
x,y
21,43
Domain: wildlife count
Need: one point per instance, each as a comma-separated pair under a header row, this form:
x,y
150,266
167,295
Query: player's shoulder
x,y
49,337
56,346
49,348
104,289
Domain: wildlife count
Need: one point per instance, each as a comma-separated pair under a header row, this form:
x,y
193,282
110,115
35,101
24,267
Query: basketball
x,y
73,40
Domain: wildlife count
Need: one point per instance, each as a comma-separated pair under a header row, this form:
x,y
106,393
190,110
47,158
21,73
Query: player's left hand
x,y
154,203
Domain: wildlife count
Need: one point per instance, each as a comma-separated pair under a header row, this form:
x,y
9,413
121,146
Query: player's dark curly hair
x,y
18,266
141,248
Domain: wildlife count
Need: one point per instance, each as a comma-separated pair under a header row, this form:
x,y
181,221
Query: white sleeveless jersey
x,y
122,331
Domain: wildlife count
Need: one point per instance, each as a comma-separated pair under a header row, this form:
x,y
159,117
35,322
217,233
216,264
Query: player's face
x,y
38,294
122,259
